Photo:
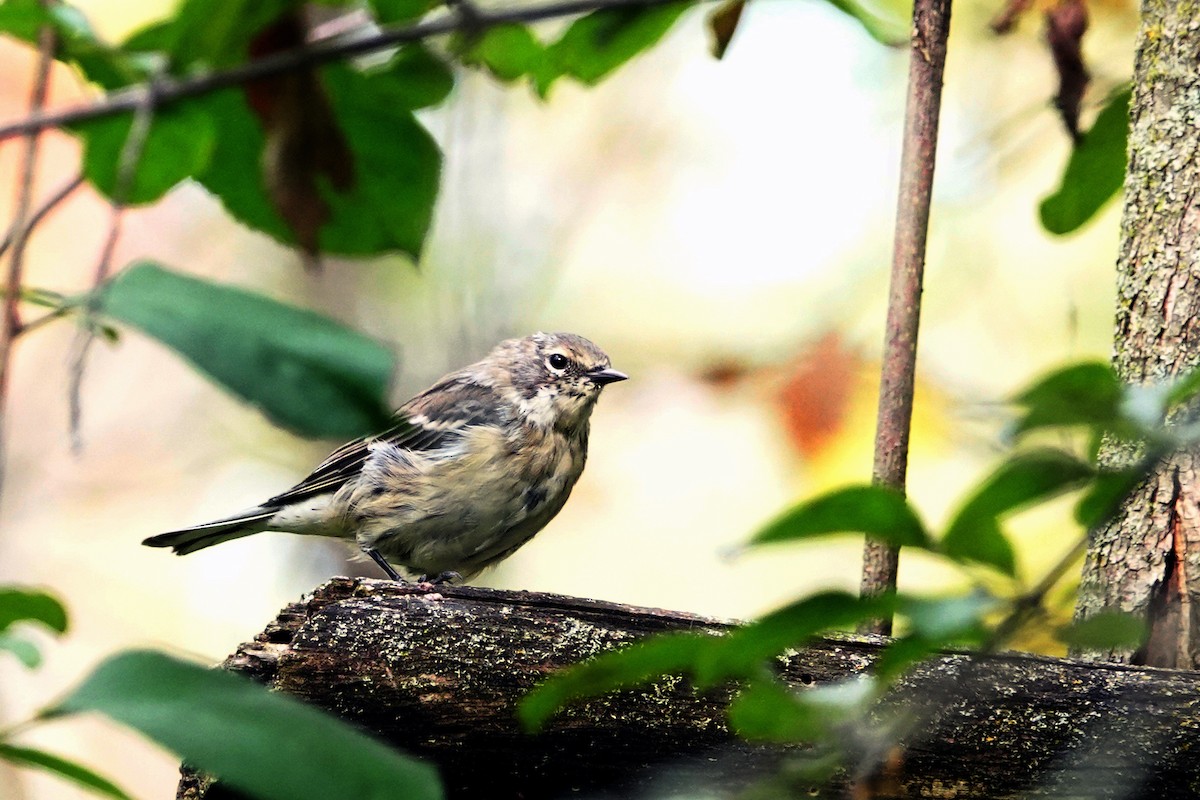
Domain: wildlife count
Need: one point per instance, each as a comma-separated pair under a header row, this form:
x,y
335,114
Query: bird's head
x,y
556,378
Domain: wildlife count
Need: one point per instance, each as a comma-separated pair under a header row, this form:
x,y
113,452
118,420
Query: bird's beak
x,y
600,377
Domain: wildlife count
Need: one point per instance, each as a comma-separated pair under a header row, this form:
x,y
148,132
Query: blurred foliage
x,y
268,745
1095,172
1081,404
304,371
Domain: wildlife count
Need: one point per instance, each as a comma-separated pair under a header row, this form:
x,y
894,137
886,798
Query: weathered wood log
x,y
440,678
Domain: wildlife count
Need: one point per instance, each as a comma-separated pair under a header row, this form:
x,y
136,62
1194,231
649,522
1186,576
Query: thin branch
x,y
48,205
127,162
927,60
168,91
11,323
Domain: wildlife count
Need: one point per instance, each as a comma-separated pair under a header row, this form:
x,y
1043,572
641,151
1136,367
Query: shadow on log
x,y
440,678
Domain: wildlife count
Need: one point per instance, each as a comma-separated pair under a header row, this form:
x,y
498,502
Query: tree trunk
x,y
1147,560
440,678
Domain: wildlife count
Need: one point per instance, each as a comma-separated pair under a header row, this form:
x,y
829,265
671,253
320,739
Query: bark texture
x,y
440,678
1147,560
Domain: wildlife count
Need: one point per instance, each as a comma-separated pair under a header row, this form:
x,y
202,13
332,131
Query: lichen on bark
x,y
1147,559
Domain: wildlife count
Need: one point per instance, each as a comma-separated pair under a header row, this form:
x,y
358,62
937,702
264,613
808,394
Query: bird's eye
x,y
558,361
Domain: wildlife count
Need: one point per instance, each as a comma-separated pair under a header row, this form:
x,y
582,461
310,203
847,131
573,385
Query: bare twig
x,y
168,91
48,205
11,323
927,59
131,153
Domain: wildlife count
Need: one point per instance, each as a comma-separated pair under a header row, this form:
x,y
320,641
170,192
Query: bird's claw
x,y
442,577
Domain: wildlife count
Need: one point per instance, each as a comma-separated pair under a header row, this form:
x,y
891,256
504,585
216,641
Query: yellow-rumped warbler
x,y
473,468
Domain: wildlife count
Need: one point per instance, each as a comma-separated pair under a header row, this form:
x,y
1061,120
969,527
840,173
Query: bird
x,y
470,470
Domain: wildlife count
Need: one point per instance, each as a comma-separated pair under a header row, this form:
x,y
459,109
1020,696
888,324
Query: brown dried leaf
x,y
304,142
722,23
1066,23
1007,18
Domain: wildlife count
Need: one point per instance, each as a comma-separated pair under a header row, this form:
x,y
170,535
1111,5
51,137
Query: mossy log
x,y
439,676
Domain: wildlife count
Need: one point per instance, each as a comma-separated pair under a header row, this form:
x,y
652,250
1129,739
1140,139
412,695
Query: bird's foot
x,y
439,579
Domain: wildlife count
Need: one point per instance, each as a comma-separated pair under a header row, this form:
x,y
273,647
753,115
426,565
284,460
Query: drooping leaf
x,y
263,743
879,511
304,371
1106,630
63,768
305,147
722,24
669,654
178,143
1027,478
598,43
25,651
743,652
397,166
1087,394
508,52
30,605
1095,171
1066,23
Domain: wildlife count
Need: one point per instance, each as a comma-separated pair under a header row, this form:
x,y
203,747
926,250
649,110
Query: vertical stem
x,y
927,60
10,325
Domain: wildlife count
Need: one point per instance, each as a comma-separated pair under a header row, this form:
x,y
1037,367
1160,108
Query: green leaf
x,y
217,33
887,21
304,371
879,511
508,51
1082,394
1106,630
260,742
1095,171
598,43
178,143
744,651
1104,497
25,650
1027,478
56,765
387,12
1184,388
948,619
767,710
413,78
30,605
668,654
77,43
396,162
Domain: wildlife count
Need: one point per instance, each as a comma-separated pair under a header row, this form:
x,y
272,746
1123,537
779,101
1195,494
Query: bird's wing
x,y
433,419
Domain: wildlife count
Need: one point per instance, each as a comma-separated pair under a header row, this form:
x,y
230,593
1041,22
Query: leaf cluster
x,y
1084,402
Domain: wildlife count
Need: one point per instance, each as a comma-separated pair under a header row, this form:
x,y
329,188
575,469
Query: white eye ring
x,y
558,362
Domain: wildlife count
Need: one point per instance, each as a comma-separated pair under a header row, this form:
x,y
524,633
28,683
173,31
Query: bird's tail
x,y
189,540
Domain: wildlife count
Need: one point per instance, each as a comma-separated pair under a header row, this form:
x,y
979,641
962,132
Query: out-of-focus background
x,y
721,228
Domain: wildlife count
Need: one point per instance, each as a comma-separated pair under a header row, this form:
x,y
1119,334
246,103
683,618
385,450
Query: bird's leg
x,y
383,564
